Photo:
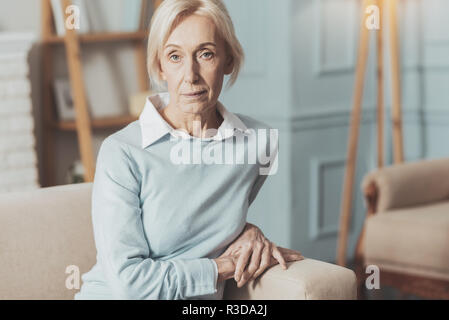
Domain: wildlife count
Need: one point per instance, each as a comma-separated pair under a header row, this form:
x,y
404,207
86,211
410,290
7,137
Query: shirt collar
x,y
153,126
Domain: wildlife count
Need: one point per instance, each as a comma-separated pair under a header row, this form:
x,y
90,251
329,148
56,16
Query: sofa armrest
x,y
307,279
406,185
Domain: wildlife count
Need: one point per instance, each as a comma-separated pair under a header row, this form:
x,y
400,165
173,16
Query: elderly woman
x,y
170,230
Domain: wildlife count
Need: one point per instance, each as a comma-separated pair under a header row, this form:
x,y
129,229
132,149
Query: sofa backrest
x,y
42,233
409,184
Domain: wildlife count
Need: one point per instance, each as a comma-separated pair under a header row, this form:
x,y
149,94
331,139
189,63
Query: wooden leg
x,y
359,266
83,126
156,3
380,90
360,274
139,53
346,207
396,84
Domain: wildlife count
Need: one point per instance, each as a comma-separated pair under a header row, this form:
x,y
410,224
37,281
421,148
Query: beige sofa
x,y
44,231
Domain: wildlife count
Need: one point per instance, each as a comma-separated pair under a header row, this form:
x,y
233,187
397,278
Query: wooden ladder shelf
x,y
83,124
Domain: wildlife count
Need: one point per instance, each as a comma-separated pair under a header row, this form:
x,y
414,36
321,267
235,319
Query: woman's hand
x,y
252,246
289,255
225,266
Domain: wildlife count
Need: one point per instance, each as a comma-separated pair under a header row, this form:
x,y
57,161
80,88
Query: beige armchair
x,y
44,231
406,231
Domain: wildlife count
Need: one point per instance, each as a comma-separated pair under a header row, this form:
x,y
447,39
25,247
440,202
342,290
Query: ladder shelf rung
x,y
100,123
100,37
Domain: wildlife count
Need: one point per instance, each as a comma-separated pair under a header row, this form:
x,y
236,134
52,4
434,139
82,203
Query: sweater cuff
x,y
216,273
198,277
209,276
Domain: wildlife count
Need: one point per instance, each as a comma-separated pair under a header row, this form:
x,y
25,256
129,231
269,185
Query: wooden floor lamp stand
x,y
345,215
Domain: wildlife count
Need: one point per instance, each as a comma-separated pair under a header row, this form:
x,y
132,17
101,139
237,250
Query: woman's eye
x,y
176,58
210,55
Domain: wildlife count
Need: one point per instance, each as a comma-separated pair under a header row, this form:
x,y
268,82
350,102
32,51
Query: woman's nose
x,y
191,71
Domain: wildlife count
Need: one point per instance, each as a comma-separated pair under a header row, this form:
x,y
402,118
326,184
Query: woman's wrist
x,y
226,268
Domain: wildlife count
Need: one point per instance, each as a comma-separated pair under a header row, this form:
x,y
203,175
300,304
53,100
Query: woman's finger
x,y
285,251
278,256
241,262
293,257
253,265
227,252
255,258
264,260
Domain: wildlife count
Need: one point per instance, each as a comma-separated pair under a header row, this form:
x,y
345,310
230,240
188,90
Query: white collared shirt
x,y
153,125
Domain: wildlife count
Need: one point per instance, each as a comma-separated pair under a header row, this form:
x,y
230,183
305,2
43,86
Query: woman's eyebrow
x,y
200,45
207,43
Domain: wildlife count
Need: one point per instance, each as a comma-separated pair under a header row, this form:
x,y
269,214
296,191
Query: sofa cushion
x,y
42,232
413,240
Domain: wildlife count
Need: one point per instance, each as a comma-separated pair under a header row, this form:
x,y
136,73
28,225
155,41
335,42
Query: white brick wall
x,y
18,160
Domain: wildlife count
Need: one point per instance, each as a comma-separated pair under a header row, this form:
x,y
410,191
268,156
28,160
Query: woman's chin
x,y
193,107
198,101
195,104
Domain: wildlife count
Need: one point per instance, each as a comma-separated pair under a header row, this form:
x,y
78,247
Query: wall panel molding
x,y
335,12
252,35
434,19
317,229
326,117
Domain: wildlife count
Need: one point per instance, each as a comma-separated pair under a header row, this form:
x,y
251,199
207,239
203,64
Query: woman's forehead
x,y
193,31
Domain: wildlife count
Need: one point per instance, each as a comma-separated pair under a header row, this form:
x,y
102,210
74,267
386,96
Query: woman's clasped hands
x,y
250,255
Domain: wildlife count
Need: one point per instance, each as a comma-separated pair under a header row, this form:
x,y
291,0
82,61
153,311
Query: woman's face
x,y
194,59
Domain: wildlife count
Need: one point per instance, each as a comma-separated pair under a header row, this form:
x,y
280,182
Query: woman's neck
x,y
195,124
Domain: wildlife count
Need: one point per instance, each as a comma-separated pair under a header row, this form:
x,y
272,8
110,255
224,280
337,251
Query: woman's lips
x,y
196,94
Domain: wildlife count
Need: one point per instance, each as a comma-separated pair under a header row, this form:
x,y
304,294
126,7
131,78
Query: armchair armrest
x,y
406,185
307,279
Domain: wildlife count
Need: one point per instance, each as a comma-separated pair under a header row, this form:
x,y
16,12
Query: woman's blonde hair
x,y
170,13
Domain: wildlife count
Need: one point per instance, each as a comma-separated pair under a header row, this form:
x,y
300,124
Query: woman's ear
x,y
229,66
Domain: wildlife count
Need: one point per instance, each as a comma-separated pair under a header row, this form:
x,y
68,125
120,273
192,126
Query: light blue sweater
x,y
158,224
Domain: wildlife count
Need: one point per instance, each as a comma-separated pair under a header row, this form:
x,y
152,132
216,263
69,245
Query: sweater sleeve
x,y
272,149
122,248
256,187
